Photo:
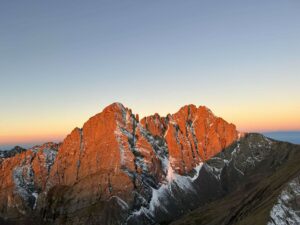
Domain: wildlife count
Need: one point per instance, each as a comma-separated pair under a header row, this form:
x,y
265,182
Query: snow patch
x,y
120,202
287,209
118,135
35,195
166,132
50,156
170,174
23,178
194,120
165,190
216,172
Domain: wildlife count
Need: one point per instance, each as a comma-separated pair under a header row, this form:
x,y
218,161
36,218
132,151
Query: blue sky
x,y
63,61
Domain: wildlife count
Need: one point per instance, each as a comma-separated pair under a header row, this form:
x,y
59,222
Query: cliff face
x,y
22,177
112,164
119,170
192,135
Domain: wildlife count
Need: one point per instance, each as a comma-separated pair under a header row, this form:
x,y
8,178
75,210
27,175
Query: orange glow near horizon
x,y
245,120
265,123
30,139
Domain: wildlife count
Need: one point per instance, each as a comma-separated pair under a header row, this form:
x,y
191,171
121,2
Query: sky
x,y
61,62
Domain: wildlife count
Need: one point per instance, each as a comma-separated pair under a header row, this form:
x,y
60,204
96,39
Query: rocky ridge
x,y
23,176
118,169
113,158
259,180
10,153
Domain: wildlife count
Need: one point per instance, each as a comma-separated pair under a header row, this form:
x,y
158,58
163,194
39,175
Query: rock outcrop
x,y
23,177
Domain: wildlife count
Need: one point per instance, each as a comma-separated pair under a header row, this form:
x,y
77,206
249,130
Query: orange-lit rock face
x,y
95,155
155,124
192,135
107,156
114,148
23,177
112,155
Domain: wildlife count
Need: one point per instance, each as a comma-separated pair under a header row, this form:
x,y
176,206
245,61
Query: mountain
x,y
12,152
118,169
260,180
22,177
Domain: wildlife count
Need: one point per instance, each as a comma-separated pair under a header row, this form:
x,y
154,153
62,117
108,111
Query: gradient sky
x,y
63,61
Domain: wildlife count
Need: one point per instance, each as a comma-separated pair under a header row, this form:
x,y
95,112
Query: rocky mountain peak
x,y
116,157
118,169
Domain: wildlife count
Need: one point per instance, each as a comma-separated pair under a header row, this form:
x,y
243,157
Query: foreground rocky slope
x,y
119,170
260,180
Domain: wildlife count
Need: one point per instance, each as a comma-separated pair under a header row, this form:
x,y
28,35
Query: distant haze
x,y
9,146
289,136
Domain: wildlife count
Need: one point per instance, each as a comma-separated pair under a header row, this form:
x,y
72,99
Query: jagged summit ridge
x,y
118,169
134,158
119,159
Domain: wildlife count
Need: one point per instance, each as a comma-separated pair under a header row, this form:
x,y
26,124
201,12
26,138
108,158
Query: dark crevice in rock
x,y
80,152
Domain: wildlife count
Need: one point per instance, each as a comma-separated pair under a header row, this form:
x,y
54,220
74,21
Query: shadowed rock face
x,y
259,178
117,170
10,153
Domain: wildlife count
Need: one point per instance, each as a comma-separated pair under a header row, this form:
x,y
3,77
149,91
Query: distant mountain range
x,y
190,167
12,152
289,136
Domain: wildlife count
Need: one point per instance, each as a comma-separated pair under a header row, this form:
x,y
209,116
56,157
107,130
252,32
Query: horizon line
x,y
34,142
